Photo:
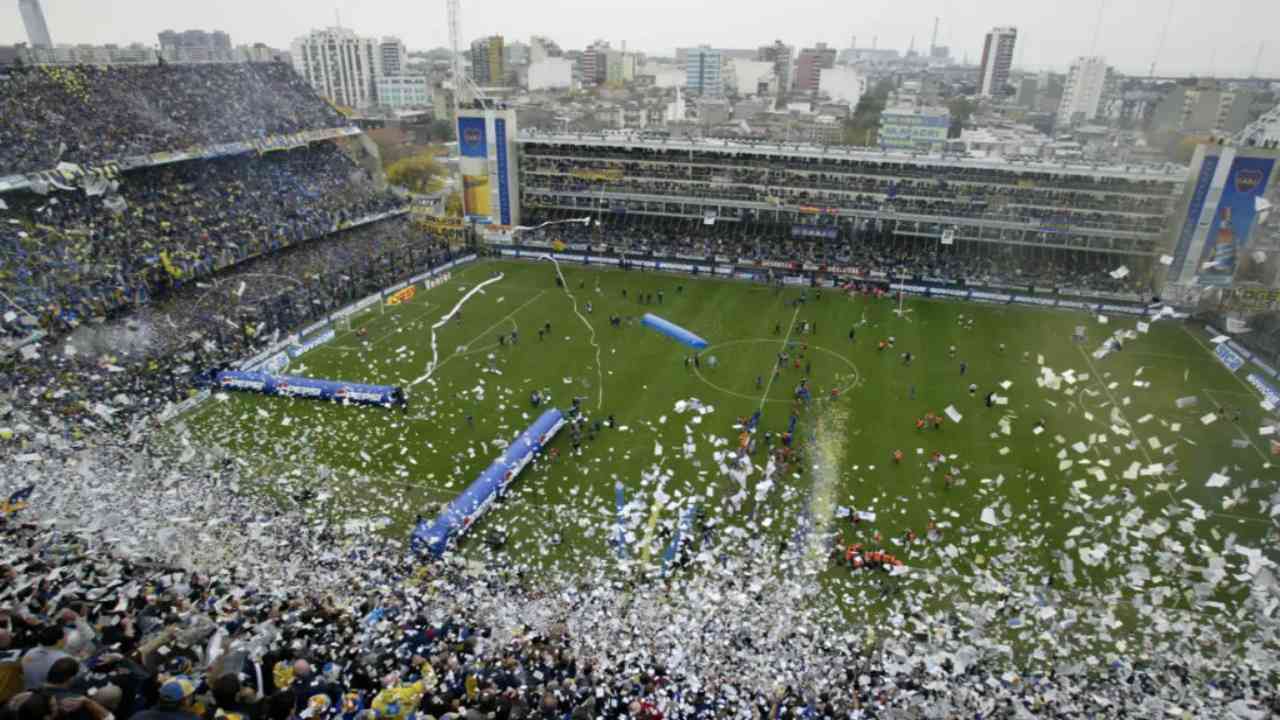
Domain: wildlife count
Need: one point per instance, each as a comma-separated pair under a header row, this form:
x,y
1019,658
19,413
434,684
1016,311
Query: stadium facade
x,y
1118,211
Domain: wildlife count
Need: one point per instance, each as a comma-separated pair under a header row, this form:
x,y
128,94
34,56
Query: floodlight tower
x,y
455,32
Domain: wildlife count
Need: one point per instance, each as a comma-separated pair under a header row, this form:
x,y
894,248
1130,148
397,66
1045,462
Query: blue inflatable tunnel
x,y
294,386
439,535
673,331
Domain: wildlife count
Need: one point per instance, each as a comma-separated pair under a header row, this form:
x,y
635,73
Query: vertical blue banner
x,y
504,195
1192,220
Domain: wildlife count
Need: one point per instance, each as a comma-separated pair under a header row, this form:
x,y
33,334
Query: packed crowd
x,y
262,614
108,376
848,197
139,578
706,178
90,114
66,257
865,248
1031,186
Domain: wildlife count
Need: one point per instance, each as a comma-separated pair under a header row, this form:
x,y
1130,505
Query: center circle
x,y
857,375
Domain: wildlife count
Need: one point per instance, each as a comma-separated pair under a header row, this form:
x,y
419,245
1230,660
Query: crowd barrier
x,y
438,536
832,278
1240,351
312,336
311,388
66,173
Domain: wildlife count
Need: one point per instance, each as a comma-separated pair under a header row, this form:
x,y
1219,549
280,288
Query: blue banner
x,y
814,231
438,536
1228,357
504,193
303,347
294,386
1233,221
1192,220
471,139
1265,388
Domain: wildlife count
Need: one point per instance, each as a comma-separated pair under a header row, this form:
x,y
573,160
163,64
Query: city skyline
x,y
1204,39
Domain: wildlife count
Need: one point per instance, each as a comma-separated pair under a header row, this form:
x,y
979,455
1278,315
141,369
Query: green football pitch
x,y
1057,488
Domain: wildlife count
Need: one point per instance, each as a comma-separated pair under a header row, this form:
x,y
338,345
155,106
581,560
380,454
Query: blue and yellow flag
x,y
17,500
169,267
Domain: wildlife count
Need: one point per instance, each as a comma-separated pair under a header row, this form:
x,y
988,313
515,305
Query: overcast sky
x,y
1204,36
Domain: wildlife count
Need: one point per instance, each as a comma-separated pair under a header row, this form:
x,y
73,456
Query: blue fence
x,y
311,388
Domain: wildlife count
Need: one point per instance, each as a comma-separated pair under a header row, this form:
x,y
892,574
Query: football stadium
x,y
660,428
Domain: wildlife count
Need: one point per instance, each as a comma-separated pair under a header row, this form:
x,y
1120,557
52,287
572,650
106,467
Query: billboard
x,y
473,163
1233,220
1223,203
487,160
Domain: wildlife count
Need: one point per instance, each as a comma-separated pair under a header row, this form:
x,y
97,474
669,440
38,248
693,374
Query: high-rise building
x,y
340,65
843,84
550,73
595,63
704,71
33,19
1087,86
195,46
810,64
404,91
780,55
620,67
515,54
912,128
1204,107
394,56
488,63
997,59
1028,91
542,47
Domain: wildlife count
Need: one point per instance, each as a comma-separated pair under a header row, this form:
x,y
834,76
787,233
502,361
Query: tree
x,y
453,205
420,173
961,110
440,131
861,128
394,144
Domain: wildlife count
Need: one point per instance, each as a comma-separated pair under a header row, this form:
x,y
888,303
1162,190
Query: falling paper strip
x,y
951,412
1217,480
1120,272
1219,339
1166,259
1208,419
989,516
1143,327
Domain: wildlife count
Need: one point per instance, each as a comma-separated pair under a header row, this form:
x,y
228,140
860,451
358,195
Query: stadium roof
x,y
1166,172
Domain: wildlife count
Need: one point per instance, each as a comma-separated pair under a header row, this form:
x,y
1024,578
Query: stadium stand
x,y
360,633
125,372
88,114
148,585
68,256
891,208
866,248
